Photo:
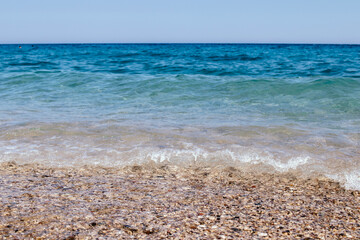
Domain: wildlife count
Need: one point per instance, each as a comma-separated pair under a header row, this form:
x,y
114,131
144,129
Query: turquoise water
x,y
280,107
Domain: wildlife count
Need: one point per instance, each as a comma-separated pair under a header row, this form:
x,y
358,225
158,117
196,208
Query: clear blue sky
x,y
243,21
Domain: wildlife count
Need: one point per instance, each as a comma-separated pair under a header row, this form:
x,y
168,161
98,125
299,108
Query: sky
x,y
182,21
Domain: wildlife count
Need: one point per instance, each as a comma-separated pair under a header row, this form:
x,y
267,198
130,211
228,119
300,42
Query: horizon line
x,y
178,43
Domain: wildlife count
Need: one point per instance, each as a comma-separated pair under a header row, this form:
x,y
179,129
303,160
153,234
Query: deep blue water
x,y
285,106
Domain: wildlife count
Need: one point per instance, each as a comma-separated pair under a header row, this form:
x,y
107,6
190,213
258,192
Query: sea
x,y
261,107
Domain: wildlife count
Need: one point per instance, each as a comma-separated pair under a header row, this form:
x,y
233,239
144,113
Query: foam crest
x,y
259,148
186,154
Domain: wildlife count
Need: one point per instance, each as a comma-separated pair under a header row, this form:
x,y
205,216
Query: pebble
x,y
143,202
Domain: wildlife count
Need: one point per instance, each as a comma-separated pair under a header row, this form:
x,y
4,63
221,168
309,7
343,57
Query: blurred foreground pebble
x,y
164,202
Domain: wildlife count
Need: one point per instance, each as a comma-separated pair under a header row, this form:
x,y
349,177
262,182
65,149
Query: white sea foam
x,y
282,149
68,154
88,155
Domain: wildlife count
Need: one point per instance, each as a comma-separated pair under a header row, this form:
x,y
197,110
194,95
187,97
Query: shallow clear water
x,y
269,107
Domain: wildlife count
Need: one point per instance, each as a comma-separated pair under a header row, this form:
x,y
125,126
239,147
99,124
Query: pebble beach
x,y
168,202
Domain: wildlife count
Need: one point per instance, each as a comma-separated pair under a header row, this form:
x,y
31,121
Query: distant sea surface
x,y
286,108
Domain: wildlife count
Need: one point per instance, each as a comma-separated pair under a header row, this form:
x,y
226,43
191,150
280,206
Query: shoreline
x,y
161,202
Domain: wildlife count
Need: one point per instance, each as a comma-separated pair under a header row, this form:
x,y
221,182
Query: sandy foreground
x,y
163,202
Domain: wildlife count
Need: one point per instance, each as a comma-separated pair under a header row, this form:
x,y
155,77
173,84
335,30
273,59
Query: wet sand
x,y
163,202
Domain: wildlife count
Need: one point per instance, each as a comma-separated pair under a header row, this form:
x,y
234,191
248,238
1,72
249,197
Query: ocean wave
x,y
266,107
